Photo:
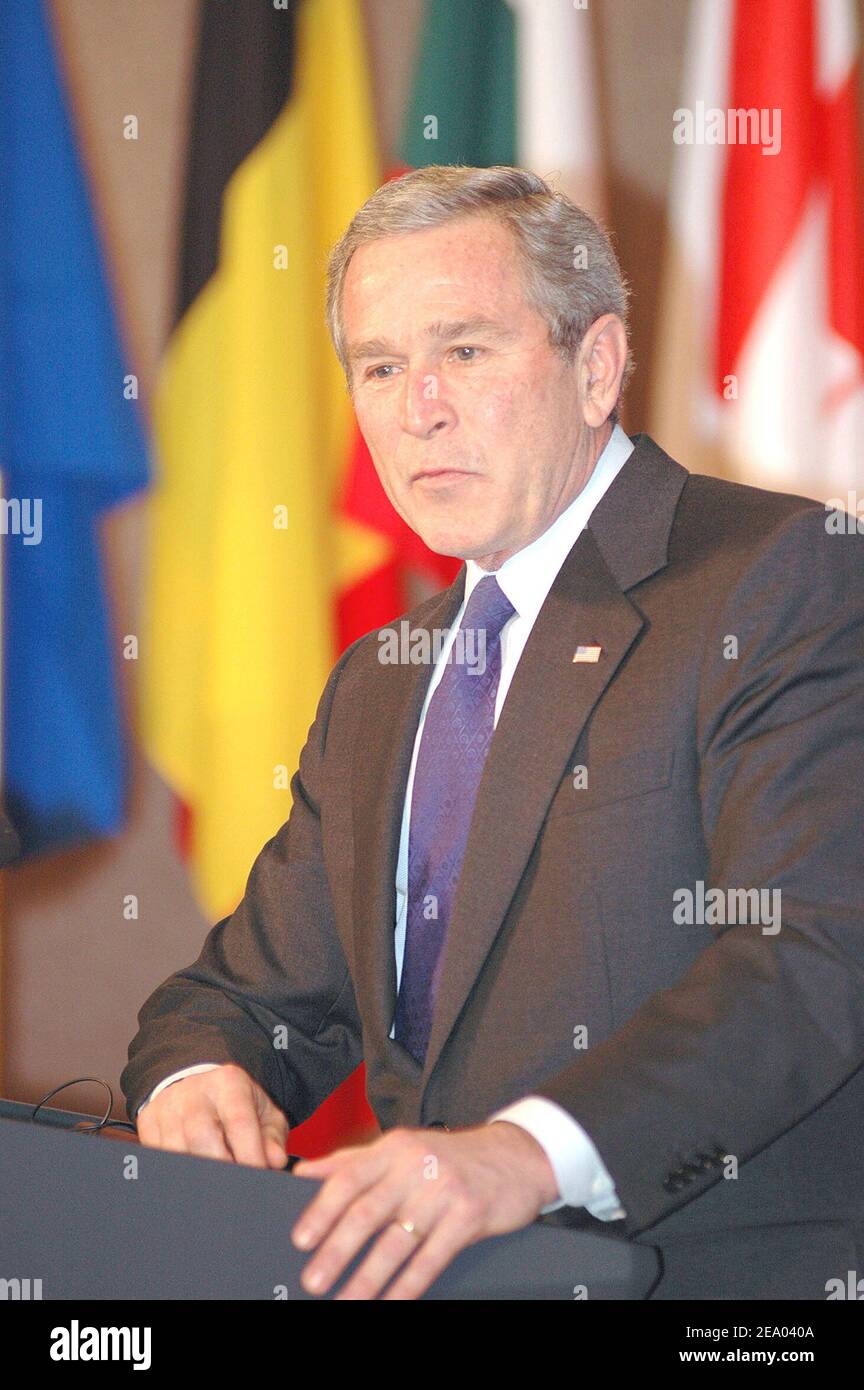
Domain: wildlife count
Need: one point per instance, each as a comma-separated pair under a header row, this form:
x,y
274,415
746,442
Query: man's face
x,y
451,369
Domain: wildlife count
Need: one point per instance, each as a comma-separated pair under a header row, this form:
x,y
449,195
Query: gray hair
x,y
553,238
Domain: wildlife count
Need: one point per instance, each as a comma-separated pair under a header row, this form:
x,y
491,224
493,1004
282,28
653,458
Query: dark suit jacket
x,y
705,1042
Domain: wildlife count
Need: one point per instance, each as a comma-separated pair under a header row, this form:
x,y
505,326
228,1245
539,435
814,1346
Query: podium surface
x,y
93,1219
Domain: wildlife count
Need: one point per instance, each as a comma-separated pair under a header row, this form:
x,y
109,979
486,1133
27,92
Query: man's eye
x,y
384,367
467,347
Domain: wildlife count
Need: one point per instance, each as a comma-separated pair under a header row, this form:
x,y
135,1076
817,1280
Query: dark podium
x,y
93,1217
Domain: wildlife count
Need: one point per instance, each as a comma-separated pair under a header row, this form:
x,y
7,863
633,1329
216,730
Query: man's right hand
x,y
222,1114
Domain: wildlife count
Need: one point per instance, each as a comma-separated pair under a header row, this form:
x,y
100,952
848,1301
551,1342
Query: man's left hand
x,y
455,1188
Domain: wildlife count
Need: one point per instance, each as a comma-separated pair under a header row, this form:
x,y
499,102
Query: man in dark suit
x,y
575,861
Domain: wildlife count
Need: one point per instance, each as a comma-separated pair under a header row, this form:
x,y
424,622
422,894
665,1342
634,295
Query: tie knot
x,y
488,608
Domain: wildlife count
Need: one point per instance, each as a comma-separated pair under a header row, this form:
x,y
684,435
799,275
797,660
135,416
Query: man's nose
x,y
425,408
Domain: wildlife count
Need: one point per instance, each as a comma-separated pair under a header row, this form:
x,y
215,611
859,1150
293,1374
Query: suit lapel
x,y
548,704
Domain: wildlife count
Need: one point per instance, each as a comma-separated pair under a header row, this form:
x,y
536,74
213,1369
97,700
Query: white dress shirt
x,y
526,579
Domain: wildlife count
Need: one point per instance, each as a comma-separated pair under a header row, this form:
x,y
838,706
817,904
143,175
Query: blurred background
x,y
192,530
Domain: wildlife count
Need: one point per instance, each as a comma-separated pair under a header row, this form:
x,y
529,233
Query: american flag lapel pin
x,y
587,653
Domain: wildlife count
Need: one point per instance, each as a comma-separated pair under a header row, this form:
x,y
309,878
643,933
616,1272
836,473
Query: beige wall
x,y
75,970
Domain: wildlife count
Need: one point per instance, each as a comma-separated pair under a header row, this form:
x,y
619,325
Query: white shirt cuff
x,y
583,1180
176,1076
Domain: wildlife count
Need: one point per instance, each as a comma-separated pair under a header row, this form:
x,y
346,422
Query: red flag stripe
x,y
772,67
841,168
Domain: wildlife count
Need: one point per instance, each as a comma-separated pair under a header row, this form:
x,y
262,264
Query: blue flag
x,y
71,446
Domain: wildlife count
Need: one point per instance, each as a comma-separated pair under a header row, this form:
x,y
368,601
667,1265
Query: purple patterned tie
x,y
453,747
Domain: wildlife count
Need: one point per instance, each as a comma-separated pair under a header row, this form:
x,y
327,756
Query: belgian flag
x,y
253,423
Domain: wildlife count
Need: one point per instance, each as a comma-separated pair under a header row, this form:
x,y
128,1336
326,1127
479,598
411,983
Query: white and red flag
x,y
760,337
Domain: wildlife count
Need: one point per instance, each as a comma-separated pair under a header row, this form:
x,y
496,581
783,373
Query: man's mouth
x,y
440,475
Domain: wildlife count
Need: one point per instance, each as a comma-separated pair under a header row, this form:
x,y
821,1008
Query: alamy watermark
x,y
711,125
21,516
727,906
421,646
845,518
20,1290
77,1343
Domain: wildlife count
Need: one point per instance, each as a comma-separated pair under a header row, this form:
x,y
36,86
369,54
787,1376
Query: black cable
x,y
83,1128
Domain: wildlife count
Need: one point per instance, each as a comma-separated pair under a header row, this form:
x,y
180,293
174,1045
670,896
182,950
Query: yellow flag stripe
x,y
252,424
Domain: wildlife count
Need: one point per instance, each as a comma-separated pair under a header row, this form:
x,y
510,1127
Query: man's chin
x,y
456,547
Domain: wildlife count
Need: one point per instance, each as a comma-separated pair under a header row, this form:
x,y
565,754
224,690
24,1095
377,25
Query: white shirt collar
x,y
527,576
